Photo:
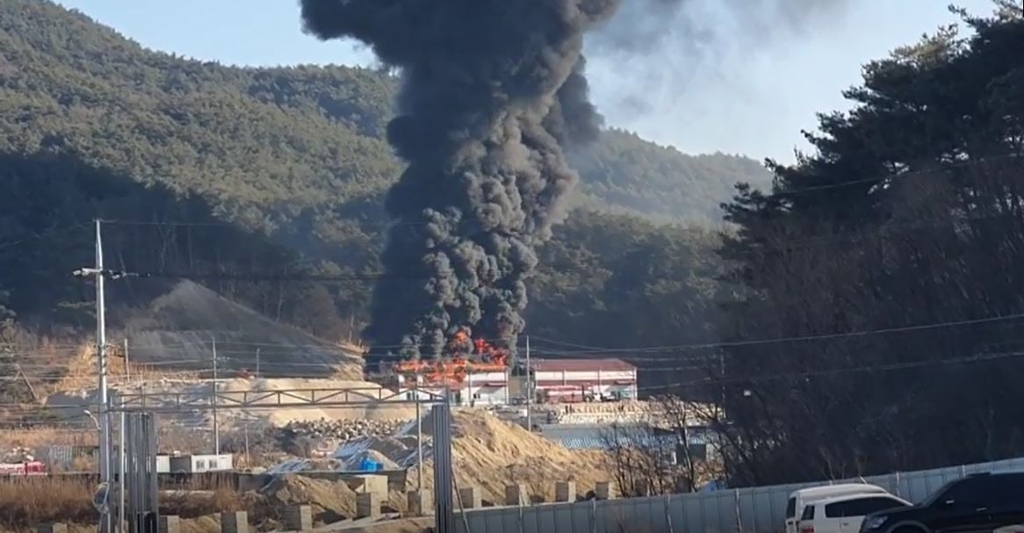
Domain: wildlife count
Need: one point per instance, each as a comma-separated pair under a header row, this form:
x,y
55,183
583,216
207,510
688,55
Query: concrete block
x,y
234,522
247,482
470,498
367,505
565,491
604,490
515,494
168,524
371,483
419,502
55,527
298,518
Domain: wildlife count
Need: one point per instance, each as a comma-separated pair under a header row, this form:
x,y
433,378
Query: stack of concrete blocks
x,y
234,522
298,518
419,502
368,505
371,483
53,528
565,491
470,498
371,491
168,524
604,490
515,494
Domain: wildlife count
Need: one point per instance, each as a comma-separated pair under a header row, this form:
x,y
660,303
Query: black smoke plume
x,y
491,92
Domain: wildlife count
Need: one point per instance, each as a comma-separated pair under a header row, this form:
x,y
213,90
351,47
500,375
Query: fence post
x,y
753,507
668,512
739,518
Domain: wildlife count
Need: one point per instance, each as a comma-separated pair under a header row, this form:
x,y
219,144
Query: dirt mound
x,y
490,453
179,329
332,501
495,453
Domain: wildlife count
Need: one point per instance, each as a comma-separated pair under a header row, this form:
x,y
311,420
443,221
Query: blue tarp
x,y
369,465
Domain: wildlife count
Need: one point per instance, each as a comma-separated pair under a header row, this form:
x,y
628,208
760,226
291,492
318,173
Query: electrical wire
x,y
585,349
745,380
947,166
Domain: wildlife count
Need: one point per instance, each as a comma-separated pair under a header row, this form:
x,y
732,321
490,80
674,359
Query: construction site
x,y
355,453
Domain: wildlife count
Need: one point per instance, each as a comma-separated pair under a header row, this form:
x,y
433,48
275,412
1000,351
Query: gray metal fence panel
x,y
56,456
750,510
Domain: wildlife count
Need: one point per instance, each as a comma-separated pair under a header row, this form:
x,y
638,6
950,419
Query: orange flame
x,y
461,347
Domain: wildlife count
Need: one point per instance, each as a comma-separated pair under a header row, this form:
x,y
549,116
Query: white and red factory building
x,y
477,389
575,380
554,381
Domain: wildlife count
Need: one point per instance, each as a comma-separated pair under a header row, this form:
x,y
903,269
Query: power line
x,y
52,232
272,277
14,409
900,175
803,338
595,350
886,367
789,244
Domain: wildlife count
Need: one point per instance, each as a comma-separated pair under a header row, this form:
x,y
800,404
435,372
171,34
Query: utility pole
x,y
99,274
721,372
127,365
216,426
122,463
529,388
419,439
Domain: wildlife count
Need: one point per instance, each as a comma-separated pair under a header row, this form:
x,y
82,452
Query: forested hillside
x,y
294,162
893,262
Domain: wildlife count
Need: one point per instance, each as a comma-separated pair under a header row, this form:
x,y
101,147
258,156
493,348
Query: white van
x,y
799,498
844,514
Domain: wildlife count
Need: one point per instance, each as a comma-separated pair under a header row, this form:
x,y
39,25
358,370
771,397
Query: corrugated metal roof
x,y
580,365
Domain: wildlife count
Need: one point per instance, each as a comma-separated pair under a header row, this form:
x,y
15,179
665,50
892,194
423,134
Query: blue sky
x,y
751,95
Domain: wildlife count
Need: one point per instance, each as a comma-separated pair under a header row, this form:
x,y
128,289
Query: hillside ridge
x,y
204,170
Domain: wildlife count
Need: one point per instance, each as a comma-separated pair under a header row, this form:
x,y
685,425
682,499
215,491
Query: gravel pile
x,y
342,430
18,454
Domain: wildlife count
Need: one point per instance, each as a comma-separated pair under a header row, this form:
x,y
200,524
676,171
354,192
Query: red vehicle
x,y
30,468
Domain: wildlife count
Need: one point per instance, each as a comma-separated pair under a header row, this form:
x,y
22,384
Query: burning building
x,y
475,372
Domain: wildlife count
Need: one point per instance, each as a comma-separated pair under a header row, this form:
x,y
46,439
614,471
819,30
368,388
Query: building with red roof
x,y
575,380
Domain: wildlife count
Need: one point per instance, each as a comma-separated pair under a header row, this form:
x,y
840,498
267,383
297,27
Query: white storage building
x,y
193,464
574,379
478,389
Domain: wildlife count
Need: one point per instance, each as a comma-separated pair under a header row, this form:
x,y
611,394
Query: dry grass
x,y
26,503
29,502
43,436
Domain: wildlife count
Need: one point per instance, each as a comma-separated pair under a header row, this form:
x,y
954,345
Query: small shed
x,y
192,464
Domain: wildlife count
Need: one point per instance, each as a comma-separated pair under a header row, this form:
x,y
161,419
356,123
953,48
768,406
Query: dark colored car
x,y
981,502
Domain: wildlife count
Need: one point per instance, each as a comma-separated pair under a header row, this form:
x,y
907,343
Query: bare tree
x,y
657,455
